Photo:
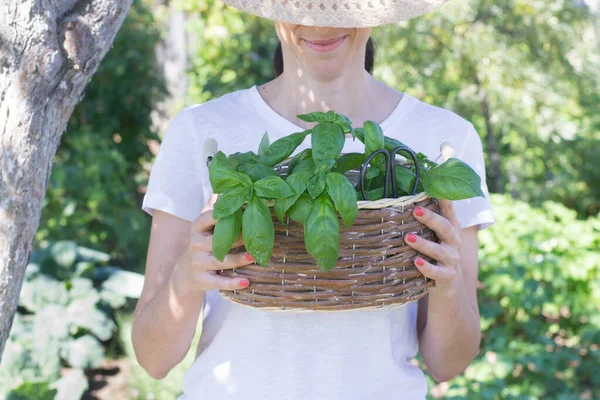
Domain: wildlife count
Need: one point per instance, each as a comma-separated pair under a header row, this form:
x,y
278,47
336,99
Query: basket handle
x,y
211,147
363,172
393,169
390,166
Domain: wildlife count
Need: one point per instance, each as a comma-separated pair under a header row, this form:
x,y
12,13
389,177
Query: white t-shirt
x,y
259,355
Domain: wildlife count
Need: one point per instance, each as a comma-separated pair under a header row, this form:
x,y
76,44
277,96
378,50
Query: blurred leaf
x,y
50,328
41,291
83,312
126,283
64,254
91,255
71,386
32,390
84,352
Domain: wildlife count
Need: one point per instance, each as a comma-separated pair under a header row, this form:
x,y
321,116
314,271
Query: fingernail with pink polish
x,y
244,283
249,257
419,261
411,237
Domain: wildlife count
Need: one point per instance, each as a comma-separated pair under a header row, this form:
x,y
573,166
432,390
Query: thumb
x,y
210,204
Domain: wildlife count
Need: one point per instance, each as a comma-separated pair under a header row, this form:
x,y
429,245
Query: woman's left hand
x,y
446,272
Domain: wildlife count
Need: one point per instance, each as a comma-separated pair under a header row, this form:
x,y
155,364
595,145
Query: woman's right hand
x,y
198,263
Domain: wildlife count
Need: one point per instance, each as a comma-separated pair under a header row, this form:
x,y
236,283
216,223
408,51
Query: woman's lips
x,y
325,45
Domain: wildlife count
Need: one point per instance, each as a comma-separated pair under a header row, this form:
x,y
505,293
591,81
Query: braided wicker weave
x,y
375,268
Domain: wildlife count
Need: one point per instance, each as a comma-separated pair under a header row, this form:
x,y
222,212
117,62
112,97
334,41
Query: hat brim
x,y
335,13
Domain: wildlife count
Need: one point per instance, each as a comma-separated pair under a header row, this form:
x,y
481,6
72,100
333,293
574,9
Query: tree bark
x,y
495,173
49,50
492,145
172,57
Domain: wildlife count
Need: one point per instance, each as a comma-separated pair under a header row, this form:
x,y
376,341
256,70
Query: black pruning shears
x,y
390,170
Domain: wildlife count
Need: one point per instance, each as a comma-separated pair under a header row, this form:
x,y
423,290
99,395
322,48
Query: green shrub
x,y
539,302
65,318
235,51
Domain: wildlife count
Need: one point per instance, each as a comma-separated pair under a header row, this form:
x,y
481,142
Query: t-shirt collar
x,y
288,127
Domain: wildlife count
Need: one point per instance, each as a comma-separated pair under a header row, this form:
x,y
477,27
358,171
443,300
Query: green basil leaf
x,y
237,159
322,233
322,167
264,145
230,201
348,162
298,158
376,182
428,164
452,180
343,122
226,232
374,141
391,144
373,137
331,116
405,179
424,162
305,166
257,171
372,172
347,128
273,187
342,192
281,149
372,195
300,209
341,119
360,134
221,174
246,180
258,231
297,182
316,185
327,141
316,116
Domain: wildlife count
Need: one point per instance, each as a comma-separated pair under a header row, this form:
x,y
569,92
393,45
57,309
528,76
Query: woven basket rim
x,y
390,202
383,203
310,310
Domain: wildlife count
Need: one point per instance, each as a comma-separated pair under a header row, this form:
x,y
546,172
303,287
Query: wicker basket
x,y
375,268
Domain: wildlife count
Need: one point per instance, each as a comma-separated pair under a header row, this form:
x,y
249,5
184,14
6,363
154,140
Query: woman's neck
x,y
359,96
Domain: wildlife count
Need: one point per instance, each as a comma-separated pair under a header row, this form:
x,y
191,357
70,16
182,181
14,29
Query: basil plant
x,y
315,192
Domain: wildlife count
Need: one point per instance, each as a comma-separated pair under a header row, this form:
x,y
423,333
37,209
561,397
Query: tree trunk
x,y
49,50
492,145
495,170
172,58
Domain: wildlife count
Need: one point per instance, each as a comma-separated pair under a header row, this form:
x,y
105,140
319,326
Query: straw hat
x,y
337,13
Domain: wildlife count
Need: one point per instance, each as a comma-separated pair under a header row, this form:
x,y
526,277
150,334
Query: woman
x,y
324,355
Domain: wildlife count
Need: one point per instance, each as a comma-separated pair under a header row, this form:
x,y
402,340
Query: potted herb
x,y
315,190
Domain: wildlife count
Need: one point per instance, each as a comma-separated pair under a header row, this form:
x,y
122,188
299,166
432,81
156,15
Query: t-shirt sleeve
x,y
477,210
175,183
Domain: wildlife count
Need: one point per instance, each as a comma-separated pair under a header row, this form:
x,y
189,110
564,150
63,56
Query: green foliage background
x,y
526,73
92,196
539,302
